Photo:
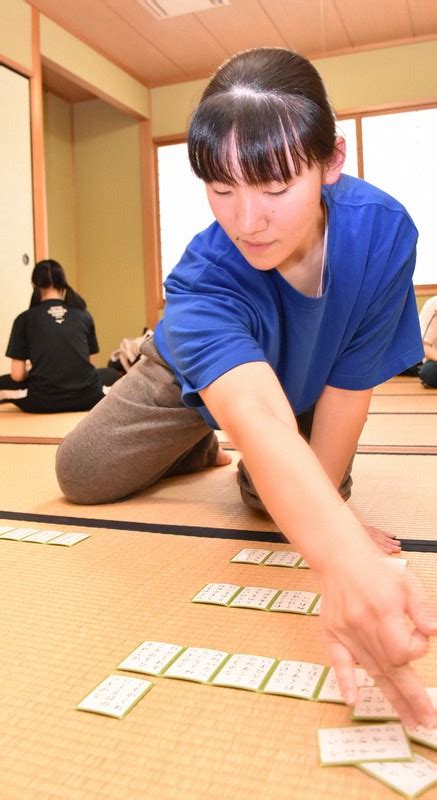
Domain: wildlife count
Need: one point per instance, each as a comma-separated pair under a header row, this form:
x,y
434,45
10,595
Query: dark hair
x,y
49,273
272,105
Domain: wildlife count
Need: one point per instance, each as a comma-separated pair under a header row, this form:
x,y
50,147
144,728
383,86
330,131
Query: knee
x,y
77,477
428,374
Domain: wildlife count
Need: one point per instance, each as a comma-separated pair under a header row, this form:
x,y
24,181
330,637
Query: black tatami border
x,y
152,527
417,545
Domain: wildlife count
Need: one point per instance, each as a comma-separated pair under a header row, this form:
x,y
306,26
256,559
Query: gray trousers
x,y
142,432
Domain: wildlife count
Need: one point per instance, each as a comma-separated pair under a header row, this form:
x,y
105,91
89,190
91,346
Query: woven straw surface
x,y
70,615
18,427
394,492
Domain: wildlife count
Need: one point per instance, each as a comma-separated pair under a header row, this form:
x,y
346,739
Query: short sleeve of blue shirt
x,y
211,317
385,337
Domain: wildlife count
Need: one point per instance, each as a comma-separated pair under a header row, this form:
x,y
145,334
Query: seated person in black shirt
x,y
57,336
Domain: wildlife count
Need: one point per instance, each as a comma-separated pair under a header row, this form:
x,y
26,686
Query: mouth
x,y
256,247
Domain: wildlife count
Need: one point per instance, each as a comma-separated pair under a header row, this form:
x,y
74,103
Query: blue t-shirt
x,y
222,312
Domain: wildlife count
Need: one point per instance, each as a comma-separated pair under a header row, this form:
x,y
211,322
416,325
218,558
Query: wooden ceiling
x,y
182,48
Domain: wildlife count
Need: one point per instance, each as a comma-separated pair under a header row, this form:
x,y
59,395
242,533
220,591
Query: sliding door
x,y
16,211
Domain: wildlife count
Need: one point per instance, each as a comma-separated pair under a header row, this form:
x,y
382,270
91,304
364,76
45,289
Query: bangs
x,y
251,136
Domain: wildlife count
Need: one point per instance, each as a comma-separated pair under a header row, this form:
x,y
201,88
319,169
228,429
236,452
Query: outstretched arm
x,y
366,620
339,419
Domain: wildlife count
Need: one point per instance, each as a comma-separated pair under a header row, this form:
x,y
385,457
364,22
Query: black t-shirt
x,y
58,340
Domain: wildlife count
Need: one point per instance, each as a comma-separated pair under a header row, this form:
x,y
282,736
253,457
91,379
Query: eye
x,y
276,192
220,189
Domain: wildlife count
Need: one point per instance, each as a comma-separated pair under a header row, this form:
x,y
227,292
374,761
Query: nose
x,y
250,215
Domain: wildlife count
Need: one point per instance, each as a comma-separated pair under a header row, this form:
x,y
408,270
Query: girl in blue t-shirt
x,y
280,318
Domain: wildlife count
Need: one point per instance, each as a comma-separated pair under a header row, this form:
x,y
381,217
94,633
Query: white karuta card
x,y
150,657
295,602
196,664
410,778
244,671
372,704
17,534
115,696
315,611
4,528
282,558
69,539
330,692
295,679
42,537
251,556
397,563
385,742
217,593
432,691
253,597
303,564
423,736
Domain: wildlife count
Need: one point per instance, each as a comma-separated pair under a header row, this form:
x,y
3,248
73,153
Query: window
x,y
183,207
399,152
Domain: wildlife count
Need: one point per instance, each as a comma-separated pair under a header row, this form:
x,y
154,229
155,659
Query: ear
x,y
334,166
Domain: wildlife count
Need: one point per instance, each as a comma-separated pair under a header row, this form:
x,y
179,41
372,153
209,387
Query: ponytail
x,y
49,273
74,299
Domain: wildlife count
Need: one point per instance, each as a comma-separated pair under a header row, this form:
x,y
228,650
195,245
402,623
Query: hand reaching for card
x,y
367,616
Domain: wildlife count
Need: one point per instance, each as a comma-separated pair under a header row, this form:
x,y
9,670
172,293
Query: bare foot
x,y
222,458
385,540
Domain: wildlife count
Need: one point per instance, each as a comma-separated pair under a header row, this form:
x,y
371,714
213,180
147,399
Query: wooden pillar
x,y
37,136
151,238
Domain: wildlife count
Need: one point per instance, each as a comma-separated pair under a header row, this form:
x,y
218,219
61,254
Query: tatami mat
x,y
79,611
391,491
18,427
400,429
404,386
404,404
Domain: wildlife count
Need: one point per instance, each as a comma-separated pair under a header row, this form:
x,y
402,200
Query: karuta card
x,y
196,664
4,529
282,558
115,696
303,564
330,691
397,563
295,602
295,679
372,704
18,534
70,539
151,657
385,742
423,736
244,672
315,609
219,594
410,778
42,537
251,556
254,597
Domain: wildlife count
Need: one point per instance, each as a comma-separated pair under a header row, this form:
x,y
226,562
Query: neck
x,y
50,293
302,270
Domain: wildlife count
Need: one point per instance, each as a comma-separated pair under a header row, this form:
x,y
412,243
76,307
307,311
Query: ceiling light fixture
x,y
164,9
